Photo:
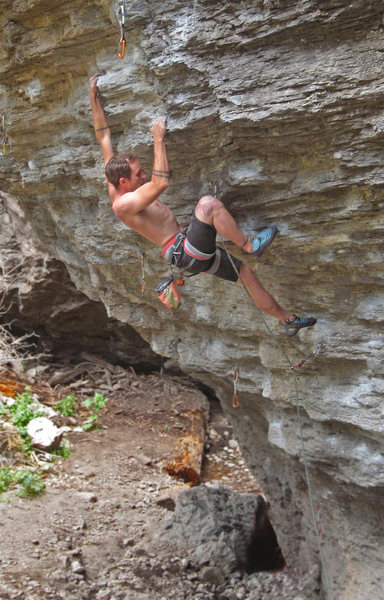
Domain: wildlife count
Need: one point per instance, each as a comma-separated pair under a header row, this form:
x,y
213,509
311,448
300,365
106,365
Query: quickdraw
x,y
304,360
235,398
122,29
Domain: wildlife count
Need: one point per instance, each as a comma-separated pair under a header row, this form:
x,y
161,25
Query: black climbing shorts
x,y
194,250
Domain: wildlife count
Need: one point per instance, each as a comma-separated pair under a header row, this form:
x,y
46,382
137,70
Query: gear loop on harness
x,y
122,42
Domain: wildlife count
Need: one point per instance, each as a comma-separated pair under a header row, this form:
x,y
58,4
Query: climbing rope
x,y
235,397
315,517
142,272
122,42
5,139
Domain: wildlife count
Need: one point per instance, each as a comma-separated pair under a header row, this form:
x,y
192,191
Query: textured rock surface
x,y
38,296
279,105
214,525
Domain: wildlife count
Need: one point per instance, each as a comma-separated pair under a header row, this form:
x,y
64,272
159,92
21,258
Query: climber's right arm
x,y
100,123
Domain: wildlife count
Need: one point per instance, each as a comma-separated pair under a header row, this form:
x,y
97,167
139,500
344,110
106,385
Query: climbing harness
x,y
166,290
315,517
235,397
142,272
5,138
122,29
319,347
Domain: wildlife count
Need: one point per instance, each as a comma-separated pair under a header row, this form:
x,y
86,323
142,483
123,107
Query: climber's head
x,y
125,170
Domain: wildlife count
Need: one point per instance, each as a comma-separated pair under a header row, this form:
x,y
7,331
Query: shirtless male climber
x,y
136,202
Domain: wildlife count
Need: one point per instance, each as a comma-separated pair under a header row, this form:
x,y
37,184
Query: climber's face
x,y
138,176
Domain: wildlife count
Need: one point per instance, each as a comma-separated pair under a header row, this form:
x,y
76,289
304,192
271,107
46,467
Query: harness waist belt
x,y
169,243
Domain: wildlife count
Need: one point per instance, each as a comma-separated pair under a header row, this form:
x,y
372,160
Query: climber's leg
x,y
265,302
211,210
261,297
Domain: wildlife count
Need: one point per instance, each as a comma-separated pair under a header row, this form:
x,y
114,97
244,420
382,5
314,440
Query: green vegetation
x,y
69,405
66,406
64,452
6,478
95,405
25,408
31,482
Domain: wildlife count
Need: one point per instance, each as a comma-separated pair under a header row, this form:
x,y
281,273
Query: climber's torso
x,y
156,223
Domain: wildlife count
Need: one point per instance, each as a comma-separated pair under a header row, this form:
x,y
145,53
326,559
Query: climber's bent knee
x,y
206,208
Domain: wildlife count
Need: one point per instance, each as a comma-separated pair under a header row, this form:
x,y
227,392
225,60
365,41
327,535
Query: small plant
x,y
31,483
6,478
24,410
65,450
66,406
95,405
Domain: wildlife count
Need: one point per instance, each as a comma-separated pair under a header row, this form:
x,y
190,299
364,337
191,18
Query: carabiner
x,y
122,47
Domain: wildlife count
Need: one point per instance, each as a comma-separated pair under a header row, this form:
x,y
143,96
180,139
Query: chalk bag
x,y
168,294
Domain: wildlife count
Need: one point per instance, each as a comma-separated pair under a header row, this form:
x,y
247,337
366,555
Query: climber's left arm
x,y
100,123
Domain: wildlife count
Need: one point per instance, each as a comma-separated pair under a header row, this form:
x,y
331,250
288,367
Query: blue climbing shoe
x,y
262,240
292,327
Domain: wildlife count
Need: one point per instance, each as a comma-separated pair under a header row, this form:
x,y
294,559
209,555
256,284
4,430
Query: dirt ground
x,y
100,501
85,538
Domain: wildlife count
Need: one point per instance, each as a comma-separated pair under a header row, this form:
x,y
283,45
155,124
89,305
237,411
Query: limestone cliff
x,y
278,106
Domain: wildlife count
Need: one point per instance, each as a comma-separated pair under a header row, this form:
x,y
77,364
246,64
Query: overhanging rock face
x,y
37,295
278,107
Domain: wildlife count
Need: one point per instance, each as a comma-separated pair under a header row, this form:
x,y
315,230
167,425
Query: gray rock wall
x,y
38,298
278,105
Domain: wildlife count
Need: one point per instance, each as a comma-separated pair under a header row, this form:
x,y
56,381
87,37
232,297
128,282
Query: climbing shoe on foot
x,y
292,327
262,240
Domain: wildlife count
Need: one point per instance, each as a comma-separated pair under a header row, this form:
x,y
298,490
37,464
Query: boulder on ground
x,y
44,434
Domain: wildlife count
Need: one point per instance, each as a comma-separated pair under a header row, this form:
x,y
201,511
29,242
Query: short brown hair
x,y
118,166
